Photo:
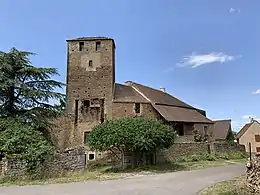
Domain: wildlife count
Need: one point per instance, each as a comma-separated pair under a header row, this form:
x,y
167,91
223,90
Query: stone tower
x,y
90,82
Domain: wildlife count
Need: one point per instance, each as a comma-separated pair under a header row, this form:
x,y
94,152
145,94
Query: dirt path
x,y
181,183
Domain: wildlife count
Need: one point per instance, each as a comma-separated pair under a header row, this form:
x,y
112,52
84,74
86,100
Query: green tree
x,y
26,91
21,141
131,134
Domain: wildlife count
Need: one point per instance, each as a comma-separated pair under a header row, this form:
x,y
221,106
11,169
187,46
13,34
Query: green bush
x,y
131,134
18,140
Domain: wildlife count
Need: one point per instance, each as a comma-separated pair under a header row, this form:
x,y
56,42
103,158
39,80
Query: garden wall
x,y
186,149
71,160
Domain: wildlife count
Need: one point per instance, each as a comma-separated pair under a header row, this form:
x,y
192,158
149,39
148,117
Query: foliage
x,y
21,141
230,136
26,90
198,137
208,157
131,134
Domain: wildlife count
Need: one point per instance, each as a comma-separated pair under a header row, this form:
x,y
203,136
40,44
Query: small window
x,y
86,103
137,108
98,45
205,129
257,138
257,149
90,63
180,129
81,46
86,135
91,156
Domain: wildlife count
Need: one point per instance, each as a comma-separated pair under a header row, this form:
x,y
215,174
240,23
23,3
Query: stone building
x,y
93,96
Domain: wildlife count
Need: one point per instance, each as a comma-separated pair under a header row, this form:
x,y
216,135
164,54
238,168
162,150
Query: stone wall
x,y
126,109
185,149
222,147
12,167
71,160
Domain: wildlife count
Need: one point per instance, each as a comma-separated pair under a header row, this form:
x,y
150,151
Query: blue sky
x,y
203,52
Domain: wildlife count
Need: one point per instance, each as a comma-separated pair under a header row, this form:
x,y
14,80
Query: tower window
x,y
98,45
81,46
86,103
90,63
137,108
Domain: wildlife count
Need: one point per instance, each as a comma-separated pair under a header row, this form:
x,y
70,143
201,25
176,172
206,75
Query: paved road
x,y
181,183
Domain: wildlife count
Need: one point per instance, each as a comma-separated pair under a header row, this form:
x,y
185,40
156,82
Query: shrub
x,y
18,140
131,134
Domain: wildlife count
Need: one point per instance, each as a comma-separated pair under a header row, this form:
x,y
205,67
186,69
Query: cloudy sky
x,y
204,52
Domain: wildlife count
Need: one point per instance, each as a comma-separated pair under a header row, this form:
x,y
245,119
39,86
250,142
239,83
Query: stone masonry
x,y
90,82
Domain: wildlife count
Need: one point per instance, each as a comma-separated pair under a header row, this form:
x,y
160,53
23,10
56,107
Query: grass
x,y
236,186
100,171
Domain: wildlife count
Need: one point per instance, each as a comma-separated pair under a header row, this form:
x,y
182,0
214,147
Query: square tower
x,y
90,81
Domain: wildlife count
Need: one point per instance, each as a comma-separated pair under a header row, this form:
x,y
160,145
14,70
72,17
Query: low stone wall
x,y
225,147
186,149
71,160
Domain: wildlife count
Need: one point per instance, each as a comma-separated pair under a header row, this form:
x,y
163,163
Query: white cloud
x,y
256,92
232,10
195,60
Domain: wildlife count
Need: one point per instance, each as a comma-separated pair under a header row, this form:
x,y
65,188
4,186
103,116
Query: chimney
x,y
129,83
162,89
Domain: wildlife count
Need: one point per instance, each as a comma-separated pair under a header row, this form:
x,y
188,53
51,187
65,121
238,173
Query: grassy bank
x,y
236,186
101,171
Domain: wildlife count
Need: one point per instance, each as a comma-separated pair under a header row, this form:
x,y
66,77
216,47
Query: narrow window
x,y
81,46
137,108
98,45
76,111
90,63
86,135
91,156
257,149
102,117
86,103
257,138
180,129
205,130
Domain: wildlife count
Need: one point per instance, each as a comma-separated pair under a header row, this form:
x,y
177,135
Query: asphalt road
x,y
177,183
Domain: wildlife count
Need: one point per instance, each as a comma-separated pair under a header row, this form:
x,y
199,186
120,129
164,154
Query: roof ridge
x,y
222,120
131,83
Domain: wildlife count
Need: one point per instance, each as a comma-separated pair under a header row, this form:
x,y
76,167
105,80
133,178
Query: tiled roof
x,y
180,114
221,128
125,93
157,96
171,108
243,130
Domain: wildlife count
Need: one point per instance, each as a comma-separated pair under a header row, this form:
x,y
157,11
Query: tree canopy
x,y
26,90
131,134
